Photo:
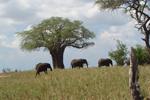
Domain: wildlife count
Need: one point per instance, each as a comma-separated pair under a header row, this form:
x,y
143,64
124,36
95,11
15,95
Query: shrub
x,y
142,54
120,54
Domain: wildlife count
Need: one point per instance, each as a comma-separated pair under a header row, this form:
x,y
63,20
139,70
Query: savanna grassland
x,y
72,84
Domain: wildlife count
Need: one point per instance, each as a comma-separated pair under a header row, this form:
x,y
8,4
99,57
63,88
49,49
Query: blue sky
x,y
19,15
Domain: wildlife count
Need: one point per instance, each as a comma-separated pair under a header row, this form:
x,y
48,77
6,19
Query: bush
x,y
142,54
120,54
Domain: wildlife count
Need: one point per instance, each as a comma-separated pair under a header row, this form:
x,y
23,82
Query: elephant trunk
x,y
111,63
50,68
87,64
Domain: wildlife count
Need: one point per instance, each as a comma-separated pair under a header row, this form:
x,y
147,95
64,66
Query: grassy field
x,y
72,84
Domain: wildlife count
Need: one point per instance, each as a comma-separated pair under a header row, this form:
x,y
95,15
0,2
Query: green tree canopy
x,y
55,34
137,9
120,54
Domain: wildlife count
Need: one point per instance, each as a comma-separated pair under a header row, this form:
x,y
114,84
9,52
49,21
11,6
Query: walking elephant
x,y
42,67
79,63
105,62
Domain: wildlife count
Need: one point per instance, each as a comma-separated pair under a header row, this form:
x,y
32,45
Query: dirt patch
x,y
3,76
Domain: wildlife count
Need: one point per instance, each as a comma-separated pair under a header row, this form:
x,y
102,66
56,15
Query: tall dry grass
x,y
72,84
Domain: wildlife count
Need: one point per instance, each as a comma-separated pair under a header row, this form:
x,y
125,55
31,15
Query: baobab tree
x,y
55,34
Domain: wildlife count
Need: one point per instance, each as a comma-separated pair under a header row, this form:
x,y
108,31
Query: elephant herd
x,y
42,67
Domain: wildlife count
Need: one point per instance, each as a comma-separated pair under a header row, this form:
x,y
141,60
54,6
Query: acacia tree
x,y
138,10
55,34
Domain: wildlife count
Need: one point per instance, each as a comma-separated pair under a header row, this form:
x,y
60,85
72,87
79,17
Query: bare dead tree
x,y
140,11
134,76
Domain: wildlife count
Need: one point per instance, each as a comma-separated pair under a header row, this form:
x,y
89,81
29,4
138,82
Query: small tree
x,y
120,54
55,34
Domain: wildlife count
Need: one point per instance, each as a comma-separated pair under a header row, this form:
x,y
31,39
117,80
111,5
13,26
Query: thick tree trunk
x,y
133,77
57,58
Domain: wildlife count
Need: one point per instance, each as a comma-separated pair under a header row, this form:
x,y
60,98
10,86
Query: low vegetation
x,y
120,54
72,84
142,55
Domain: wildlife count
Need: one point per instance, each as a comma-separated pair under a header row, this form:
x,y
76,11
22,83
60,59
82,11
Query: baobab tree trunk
x,y
134,76
57,58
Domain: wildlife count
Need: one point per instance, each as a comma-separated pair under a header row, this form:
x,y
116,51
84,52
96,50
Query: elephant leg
x,y
108,65
37,73
86,64
72,66
81,66
98,65
45,72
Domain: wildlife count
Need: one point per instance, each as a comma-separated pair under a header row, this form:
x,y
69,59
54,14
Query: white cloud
x,y
2,40
21,13
126,33
93,11
4,1
5,42
15,43
6,22
28,28
69,8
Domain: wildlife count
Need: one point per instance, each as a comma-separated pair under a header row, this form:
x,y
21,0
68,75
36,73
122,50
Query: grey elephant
x,y
42,67
105,62
127,62
79,63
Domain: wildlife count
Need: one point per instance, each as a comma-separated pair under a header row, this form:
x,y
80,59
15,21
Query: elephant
x,y
105,62
79,63
127,62
42,67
